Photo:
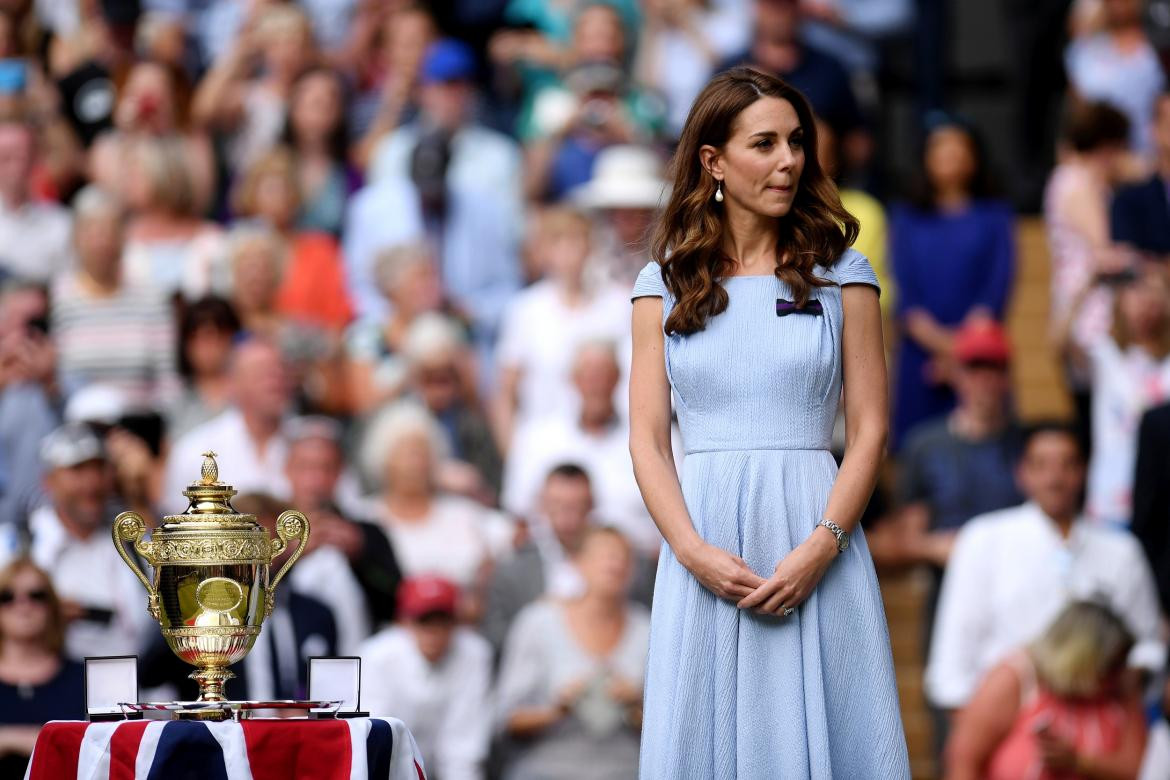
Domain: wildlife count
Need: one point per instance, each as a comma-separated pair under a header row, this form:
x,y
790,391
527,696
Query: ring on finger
x,y
786,611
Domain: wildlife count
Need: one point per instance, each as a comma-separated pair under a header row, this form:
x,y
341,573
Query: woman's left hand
x,y
1056,752
794,577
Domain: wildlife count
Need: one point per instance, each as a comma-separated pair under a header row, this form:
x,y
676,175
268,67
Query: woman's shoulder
x,y
852,267
649,283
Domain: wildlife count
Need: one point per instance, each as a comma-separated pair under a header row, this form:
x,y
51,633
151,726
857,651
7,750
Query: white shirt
x,y
1011,572
540,337
540,446
240,464
445,705
325,575
90,572
454,541
35,240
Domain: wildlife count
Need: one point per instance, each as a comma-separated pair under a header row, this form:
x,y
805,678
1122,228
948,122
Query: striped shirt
x,y
126,340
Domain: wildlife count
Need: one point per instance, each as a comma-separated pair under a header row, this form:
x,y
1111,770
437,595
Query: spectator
x,y
1059,706
545,565
251,110
449,181
431,531
316,472
207,329
958,466
1139,220
311,288
70,539
37,683
257,257
627,189
1013,570
1076,207
106,330
168,244
247,435
35,235
1119,66
152,104
442,378
435,675
28,399
570,689
548,322
598,439
1130,371
681,43
955,218
317,133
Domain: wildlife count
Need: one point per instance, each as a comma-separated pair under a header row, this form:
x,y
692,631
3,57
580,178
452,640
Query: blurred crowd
x,y
377,255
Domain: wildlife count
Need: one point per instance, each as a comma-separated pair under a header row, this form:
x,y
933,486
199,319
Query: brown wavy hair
x,y
688,241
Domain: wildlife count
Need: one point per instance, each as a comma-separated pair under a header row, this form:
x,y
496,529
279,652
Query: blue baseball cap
x,y
447,60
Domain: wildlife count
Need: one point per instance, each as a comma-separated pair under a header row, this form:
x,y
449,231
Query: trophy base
x,y
211,681
231,710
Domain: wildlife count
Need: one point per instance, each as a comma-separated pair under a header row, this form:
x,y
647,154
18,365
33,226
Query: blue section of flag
x,y
379,749
187,751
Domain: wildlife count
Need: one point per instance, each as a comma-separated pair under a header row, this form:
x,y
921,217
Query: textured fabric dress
x,y
731,694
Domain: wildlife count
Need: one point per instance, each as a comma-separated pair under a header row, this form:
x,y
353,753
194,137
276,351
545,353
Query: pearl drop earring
x,y
719,192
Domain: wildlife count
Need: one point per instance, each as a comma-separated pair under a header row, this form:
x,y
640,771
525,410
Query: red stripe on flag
x,y
418,769
58,749
124,744
288,750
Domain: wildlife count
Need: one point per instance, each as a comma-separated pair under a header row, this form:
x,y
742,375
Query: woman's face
x,y
1143,304
950,159
417,290
208,349
566,252
316,107
276,200
411,462
762,162
606,565
407,35
146,101
98,238
24,606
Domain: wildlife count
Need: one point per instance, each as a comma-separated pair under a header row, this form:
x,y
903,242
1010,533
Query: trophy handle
x,y
290,525
130,527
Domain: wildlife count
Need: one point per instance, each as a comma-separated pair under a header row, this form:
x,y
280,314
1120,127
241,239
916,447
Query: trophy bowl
x,y
210,592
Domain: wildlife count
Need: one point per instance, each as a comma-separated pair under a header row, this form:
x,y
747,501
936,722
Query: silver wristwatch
x,y
837,531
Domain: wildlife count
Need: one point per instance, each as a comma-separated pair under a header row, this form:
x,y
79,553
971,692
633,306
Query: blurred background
x,y
377,254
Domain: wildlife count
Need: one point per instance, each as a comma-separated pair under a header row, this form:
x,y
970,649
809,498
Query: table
x,y
258,749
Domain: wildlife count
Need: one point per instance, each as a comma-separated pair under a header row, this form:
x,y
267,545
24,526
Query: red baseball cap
x,y
427,595
982,341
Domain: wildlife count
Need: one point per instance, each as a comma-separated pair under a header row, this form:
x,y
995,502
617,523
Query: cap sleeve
x,y
649,283
854,268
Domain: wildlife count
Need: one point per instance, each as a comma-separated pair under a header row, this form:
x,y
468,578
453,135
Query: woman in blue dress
x,y
769,652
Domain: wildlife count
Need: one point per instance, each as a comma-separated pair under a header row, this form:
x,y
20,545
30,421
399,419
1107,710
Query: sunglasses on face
x,y
38,596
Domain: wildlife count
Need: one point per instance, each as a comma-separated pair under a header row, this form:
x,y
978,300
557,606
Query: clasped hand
x,y
729,577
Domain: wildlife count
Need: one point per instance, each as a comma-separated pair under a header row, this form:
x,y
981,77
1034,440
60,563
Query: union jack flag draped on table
x,y
352,749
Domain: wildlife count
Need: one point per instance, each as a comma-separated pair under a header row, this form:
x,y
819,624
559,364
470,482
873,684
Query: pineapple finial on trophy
x,y
210,471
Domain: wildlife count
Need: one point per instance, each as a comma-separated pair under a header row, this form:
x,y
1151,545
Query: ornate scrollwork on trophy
x,y
221,550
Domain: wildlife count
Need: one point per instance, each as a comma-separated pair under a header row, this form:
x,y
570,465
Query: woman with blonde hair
x,y
37,683
1058,708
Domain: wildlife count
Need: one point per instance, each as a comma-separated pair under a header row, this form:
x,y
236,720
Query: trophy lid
x,y
209,496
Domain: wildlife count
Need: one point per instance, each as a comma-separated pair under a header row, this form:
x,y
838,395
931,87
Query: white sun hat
x,y
624,177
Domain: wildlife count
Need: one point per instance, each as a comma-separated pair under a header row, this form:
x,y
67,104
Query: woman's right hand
x,y
727,576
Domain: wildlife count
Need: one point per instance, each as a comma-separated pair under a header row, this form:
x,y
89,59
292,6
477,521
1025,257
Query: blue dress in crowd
x,y
947,264
730,693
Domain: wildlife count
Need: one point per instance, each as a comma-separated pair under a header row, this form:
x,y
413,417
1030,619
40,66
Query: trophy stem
x,y
211,680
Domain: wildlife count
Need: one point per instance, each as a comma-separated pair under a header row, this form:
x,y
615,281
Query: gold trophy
x,y
211,591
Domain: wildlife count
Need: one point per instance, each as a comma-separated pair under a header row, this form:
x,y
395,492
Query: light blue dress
x,y
729,693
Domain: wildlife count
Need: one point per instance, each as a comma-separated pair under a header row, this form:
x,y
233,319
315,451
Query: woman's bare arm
x,y
724,574
983,724
863,361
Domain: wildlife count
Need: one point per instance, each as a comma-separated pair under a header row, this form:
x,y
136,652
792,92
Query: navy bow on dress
x,y
784,308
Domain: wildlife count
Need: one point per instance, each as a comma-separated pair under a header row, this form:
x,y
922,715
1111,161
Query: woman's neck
x,y
100,285
595,606
952,198
751,240
214,388
24,655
